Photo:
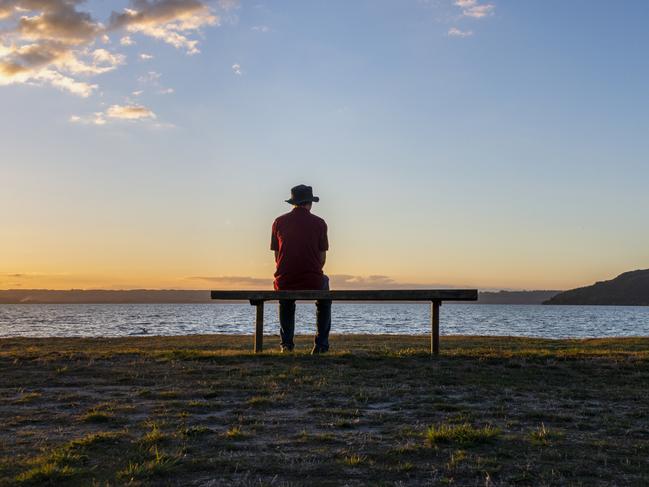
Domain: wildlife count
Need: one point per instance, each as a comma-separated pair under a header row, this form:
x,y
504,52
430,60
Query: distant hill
x,y
78,296
628,289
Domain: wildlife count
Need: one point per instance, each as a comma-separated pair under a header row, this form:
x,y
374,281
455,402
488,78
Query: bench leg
x,y
434,332
259,326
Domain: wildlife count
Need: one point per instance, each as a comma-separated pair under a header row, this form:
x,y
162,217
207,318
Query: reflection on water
x,y
40,320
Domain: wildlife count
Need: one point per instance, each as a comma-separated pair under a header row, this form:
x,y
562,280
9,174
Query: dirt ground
x,y
378,410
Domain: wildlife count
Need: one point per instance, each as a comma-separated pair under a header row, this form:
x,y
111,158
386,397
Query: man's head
x,y
302,196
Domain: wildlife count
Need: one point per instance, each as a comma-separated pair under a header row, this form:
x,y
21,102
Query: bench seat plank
x,y
356,295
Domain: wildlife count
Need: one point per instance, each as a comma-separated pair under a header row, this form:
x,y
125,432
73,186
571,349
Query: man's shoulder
x,y
317,219
284,216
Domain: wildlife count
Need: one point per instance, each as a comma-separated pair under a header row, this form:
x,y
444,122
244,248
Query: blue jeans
x,y
323,321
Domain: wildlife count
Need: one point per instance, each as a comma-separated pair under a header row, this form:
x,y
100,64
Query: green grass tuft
x,y
234,433
159,466
461,434
258,401
354,460
27,397
46,474
198,404
154,436
457,457
544,436
66,461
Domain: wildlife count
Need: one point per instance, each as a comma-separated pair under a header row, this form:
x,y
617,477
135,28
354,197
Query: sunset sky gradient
x,y
496,144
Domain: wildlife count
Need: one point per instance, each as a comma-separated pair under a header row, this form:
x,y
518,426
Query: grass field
x,y
204,411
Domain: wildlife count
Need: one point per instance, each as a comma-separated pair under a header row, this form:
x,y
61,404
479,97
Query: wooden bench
x,y
434,296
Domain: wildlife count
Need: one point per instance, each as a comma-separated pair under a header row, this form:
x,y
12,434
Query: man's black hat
x,y
302,194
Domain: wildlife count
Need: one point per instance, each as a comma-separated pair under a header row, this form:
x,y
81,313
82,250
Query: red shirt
x,y
299,237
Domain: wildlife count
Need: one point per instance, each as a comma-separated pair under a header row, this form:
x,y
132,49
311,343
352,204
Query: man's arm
x,y
324,244
274,242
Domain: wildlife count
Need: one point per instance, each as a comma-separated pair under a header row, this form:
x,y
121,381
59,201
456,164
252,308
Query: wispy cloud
x,y
170,21
97,118
229,4
28,275
264,29
455,32
233,281
229,8
472,8
152,79
236,69
57,80
346,281
130,112
18,278
337,281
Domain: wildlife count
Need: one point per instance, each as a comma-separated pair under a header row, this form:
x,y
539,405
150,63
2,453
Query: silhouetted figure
x,y
300,242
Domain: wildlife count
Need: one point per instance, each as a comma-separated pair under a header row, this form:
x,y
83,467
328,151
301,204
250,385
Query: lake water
x,y
112,320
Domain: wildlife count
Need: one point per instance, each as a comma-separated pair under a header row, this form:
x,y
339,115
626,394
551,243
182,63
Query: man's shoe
x,y
286,349
318,350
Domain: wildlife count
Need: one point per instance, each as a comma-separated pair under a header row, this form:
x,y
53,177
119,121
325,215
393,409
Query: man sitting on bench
x,y
300,242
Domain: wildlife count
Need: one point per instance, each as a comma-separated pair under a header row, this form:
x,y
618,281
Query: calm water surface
x,y
111,320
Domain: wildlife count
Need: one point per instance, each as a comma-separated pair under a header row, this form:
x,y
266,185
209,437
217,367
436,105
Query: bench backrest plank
x,y
355,295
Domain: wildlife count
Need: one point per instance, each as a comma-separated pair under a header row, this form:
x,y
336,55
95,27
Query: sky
x,y
498,144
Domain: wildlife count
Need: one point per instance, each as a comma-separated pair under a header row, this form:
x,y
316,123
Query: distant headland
x,y
628,289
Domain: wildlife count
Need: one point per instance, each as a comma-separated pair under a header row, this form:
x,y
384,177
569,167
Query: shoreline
x,y
365,342
233,339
